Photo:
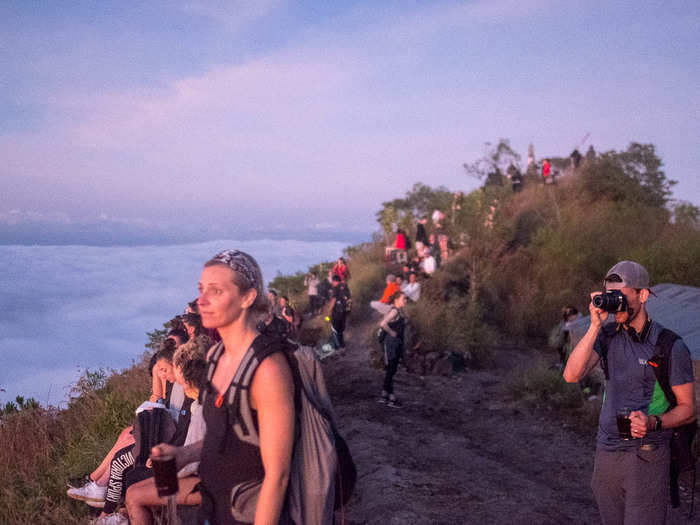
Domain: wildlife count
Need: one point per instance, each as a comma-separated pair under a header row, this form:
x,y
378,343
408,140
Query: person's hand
x,y
638,423
597,315
167,450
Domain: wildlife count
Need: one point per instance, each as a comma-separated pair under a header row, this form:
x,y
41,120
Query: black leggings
x,y
391,367
122,461
338,325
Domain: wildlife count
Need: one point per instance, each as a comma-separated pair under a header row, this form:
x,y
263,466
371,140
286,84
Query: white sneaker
x,y
91,493
111,519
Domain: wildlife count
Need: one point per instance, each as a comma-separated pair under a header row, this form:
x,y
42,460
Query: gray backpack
x,y
315,477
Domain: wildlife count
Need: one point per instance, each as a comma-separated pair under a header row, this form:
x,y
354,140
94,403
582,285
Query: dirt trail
x,y
458,452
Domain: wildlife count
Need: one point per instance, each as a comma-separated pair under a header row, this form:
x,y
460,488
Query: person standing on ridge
x,y
546,171
312,282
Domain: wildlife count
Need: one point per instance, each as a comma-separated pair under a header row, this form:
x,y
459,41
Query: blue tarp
x,y
676,307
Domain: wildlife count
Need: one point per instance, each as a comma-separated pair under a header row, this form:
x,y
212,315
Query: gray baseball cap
x,y
630,274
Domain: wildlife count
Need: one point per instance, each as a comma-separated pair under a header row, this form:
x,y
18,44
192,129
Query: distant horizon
x,y
99,237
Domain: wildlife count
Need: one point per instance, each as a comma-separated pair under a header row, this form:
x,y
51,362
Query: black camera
x,y
611,301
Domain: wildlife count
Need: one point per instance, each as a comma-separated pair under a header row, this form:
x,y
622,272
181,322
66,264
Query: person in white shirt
x,y
428,264
411,288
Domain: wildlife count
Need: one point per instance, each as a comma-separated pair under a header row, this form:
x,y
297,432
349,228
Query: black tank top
x,y
397,325
227,460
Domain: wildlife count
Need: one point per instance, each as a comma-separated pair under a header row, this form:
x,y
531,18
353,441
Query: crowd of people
x,y
125,475
188,418
431,248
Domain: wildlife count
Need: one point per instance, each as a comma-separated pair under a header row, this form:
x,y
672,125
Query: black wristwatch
x,y
657,427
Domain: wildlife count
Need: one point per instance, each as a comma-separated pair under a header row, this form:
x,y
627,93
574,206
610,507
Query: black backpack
x,y
683,456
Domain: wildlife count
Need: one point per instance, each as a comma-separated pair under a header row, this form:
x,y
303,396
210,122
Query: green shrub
x,y
545,384
42,448
367,279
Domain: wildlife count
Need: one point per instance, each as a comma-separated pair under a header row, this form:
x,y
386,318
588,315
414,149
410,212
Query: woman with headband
x,y
231,299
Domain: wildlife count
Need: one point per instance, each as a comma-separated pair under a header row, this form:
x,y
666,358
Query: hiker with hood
x,y
646,397
232,301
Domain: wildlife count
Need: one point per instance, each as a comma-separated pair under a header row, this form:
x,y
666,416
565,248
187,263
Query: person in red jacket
x,y
340,269
383,305
546,171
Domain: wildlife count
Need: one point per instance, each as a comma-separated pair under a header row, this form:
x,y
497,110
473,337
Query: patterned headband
x,y
244,265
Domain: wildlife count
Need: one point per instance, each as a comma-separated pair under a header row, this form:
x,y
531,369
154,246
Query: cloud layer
x,y
70,307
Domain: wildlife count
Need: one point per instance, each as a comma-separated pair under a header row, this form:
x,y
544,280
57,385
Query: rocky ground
x,y
460,451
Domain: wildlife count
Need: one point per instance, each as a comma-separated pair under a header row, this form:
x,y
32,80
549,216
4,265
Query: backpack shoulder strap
x,y
238,393
217,350
661,363
606,334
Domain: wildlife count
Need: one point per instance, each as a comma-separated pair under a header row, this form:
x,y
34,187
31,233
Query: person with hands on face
x,y
631,476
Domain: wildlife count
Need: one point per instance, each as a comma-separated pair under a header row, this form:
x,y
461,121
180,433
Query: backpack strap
x,y
606,334
237,398
682,454
661,363
211,368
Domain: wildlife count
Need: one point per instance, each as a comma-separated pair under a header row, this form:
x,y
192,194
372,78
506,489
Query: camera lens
x,y
599,301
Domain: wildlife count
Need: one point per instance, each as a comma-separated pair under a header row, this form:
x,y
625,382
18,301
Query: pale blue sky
x,y
209,119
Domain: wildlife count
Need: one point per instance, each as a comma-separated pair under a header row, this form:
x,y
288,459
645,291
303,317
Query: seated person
x,y
398,250
190,369
161,388
428,264
94,489
382,306
195,330
123,459
412,288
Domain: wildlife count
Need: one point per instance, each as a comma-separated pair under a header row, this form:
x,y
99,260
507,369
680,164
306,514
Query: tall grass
x,y
368,279
42,448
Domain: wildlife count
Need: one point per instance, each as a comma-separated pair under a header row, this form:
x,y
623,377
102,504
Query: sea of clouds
x,y
64,309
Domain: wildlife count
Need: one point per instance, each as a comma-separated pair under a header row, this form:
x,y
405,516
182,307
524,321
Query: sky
x,y
166,121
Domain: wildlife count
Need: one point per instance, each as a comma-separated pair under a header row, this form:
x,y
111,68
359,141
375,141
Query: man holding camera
x,y
632,462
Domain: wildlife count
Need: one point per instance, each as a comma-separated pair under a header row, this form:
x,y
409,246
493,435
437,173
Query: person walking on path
x,y
393,324
633,458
